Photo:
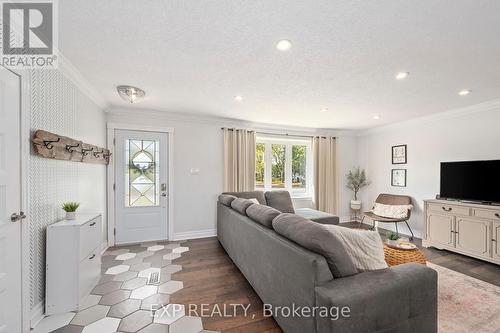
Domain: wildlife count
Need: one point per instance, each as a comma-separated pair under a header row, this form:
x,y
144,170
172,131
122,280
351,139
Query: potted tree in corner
x,y
356,180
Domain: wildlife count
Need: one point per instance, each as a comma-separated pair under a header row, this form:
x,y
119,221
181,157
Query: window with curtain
x,y
284,163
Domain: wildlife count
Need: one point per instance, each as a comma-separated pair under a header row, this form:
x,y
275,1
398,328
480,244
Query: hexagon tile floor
x,y
123,299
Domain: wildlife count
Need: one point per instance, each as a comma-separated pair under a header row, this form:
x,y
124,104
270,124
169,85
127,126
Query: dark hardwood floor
x,y
210,277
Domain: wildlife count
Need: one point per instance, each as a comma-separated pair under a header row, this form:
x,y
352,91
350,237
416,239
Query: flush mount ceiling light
x,y
324,110
402,75
130,94
464,92
376,117
238,98
284,45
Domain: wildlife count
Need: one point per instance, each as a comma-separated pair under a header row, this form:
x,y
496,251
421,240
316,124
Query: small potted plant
x,y
392,239
356,180
70,209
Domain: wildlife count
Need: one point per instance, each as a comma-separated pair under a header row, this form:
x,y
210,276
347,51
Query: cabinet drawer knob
x,y
92,224
92,257
447,209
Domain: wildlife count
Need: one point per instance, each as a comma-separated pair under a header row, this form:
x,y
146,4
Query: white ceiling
x,y
194,56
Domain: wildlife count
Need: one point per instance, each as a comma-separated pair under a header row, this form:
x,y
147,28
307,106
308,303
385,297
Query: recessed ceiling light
x,y
324,110
284,45
464,92
402,75
238,98
376,117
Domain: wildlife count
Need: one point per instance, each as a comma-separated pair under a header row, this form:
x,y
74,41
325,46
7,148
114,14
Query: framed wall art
x,y
398,177
399,154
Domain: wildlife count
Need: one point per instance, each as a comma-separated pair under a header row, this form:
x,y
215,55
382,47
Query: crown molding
x,y
77,78
450,114
224,122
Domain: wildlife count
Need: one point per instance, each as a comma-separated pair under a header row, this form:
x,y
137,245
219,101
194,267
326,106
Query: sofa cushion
x,y
317,216
226,199
365,247
240,205
259,195
280,200
317,238
263,214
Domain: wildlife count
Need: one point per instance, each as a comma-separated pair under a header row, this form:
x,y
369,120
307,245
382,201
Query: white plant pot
x,y
70,215
392,242
355,204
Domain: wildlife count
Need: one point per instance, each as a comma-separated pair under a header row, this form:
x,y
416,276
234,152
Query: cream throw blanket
x,y
392,211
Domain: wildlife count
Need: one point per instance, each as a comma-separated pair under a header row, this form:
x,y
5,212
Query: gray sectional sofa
x,y
281,200
286,275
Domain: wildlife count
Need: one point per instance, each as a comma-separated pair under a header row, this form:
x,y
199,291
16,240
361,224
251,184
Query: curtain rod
x,y
285,134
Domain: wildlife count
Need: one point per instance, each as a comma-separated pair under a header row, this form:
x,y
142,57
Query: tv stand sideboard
x,y
466,228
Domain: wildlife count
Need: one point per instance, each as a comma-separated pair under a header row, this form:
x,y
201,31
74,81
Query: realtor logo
x,y
29,34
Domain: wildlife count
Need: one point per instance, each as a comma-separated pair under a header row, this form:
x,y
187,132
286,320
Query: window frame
x,y
288,142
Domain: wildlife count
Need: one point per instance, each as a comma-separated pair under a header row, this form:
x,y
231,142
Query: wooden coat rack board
x,y
50,145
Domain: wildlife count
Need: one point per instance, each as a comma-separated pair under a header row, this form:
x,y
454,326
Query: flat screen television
x,y
471,181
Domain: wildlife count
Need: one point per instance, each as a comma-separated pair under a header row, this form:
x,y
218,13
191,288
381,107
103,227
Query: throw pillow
x,y
392,211
365,247
254,200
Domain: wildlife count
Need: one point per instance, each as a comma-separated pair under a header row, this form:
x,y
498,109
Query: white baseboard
x,y
37,314
344,219
194,234
347,219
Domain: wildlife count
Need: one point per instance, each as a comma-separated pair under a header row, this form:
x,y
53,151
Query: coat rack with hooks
x,y
50,145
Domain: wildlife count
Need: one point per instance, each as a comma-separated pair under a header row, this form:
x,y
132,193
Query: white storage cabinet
x,y
73,262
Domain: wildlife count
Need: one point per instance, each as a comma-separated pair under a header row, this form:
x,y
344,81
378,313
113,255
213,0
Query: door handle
x,y
447,209
497,215
92,257
163,194
17,217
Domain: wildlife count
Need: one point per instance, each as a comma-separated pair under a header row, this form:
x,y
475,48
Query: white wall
x,y
199,144
59,106
347,158
472,134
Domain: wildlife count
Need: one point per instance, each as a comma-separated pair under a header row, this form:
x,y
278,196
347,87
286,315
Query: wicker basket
x,y
395,257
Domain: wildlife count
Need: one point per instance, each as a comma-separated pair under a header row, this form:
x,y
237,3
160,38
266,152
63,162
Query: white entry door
x,y
141,170
10,203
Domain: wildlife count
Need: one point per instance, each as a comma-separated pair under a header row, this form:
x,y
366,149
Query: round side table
x,y
395,257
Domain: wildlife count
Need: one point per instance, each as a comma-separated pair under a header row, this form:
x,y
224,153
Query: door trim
x,y
24,145
111,127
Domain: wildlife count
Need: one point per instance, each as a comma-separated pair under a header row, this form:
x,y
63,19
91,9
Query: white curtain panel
x,y
239,160
325,174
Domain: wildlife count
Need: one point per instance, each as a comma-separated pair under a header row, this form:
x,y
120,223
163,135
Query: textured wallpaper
x,y
59,106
